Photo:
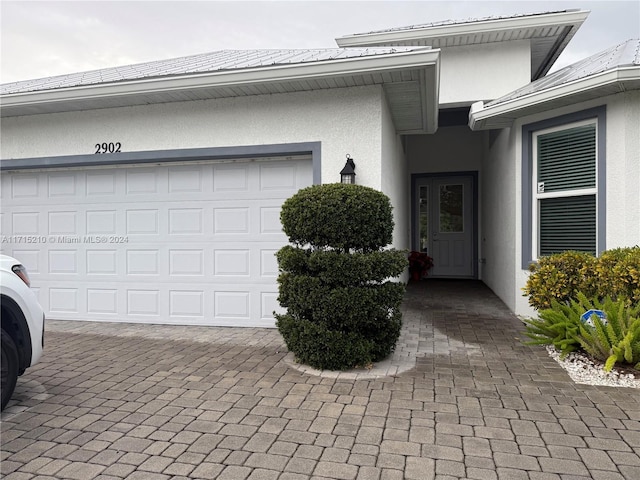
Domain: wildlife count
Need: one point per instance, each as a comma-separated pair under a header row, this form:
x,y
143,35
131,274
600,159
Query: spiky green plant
x,y
616,340
556,326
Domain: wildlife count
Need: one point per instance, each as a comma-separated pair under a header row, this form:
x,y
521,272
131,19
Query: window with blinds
x,y
566,190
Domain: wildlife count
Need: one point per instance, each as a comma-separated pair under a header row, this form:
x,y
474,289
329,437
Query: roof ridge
x,y
208,62
451,22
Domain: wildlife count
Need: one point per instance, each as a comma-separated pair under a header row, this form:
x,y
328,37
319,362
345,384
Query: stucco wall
x,y
395,179
622,174
500,207
468,73
344,120
623,170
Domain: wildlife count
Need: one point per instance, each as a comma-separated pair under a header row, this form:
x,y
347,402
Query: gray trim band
x,y
182,155
600,114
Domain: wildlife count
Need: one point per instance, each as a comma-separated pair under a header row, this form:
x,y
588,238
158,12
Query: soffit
x,y
506,119
548,32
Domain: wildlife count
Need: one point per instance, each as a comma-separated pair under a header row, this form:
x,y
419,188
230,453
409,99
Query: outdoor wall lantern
x,y
348,173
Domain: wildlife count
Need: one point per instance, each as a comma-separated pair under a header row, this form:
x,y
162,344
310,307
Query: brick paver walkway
x,y
114,401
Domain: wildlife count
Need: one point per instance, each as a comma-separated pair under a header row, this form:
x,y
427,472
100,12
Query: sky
x,y
46,38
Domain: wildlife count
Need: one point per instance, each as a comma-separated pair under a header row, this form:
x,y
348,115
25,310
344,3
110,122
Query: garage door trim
x,y
183,155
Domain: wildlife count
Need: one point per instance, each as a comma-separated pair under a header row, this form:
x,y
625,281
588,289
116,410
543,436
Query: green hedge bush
x,y
560,277
342,308
331,265
335,217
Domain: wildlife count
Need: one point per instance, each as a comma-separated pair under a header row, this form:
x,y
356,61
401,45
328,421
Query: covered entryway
x,y
444,223
181,243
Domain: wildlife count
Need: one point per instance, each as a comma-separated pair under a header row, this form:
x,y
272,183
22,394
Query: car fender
x,y
21,301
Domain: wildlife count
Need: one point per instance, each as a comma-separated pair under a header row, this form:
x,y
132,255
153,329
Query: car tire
x,y
9,367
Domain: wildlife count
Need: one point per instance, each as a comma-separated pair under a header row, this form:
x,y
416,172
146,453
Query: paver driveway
x,y
145,402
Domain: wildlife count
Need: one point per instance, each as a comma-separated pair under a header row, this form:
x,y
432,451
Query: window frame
x,y
529,213
566,193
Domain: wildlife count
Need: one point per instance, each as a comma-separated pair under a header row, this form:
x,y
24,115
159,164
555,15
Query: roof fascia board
x,y
480,118
418,58
485,26
432,84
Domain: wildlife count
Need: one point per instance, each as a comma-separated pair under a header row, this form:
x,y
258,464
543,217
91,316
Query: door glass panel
x,y
424,218
451,212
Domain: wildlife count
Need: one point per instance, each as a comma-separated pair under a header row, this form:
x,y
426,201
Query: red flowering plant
x,y
419,264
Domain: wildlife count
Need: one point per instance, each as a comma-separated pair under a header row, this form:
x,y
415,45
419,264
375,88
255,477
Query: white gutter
x,y
574,18
479,115
420,57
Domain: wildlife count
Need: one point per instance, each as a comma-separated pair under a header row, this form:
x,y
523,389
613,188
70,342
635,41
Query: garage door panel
x,y
232,303
142,181
185,180
232,262
270,220
101,222
181,244
102,262
143,262
25,223
268,263
230,179
62,185
102,301
63,262
5,186
143,302
143,221
231,220
277,177
100,184
63,223
25,186
187,303
268,305
64,300
187,262
185,221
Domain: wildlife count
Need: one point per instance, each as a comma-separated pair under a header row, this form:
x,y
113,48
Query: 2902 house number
x,y
111,147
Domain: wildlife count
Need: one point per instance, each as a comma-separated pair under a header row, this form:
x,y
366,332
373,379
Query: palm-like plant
x,y
555,326
614,339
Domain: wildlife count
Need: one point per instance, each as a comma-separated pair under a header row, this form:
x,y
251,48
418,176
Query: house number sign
x,y
110,147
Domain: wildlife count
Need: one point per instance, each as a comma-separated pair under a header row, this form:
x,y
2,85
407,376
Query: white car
x,y
22,324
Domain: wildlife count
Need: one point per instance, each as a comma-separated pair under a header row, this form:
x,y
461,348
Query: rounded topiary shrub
x,y
338,216
342,308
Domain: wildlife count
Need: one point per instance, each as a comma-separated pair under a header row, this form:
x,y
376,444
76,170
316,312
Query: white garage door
x,y
179,244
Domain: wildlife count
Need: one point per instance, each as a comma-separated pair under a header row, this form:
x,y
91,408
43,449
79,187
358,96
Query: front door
x,y
445,223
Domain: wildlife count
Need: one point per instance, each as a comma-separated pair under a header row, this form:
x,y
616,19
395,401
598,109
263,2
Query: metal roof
x,y
624,54
548,33
409,77
219,61
442,23
609,72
